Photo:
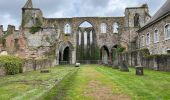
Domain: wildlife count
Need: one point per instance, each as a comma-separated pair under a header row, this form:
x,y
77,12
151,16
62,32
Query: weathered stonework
x,y
40,36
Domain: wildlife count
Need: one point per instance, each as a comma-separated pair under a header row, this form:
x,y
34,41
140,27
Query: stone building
x,y
74,39
155,35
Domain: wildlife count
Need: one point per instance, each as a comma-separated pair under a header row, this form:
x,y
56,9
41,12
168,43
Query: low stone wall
x,y
139,58
31,64
2,71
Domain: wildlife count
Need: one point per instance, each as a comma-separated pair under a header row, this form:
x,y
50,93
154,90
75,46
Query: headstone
x,y
124,66
139,70
45,71
77,65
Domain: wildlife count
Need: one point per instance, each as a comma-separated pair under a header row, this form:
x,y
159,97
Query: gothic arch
x,y
104,54
65,52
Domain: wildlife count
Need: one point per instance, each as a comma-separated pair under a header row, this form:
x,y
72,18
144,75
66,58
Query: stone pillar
x,y
73,57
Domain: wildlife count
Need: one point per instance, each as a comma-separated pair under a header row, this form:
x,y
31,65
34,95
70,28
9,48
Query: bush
x,y
13,65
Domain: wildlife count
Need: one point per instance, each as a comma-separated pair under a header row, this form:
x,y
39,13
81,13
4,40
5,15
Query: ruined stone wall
x,y
160,47
154,62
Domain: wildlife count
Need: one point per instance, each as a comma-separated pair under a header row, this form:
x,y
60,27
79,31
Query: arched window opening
x,y
148,39
86,24
103,28
67,29
167,31
136,20
86,38
115,28
156,36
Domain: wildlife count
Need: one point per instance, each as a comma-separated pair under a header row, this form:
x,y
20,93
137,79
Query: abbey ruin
x,y
72,39
82,39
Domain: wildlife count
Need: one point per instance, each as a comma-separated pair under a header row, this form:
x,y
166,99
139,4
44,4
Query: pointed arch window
x,y
115,28
67,29
103,28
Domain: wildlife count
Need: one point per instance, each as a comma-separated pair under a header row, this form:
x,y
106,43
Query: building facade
x,y
155,35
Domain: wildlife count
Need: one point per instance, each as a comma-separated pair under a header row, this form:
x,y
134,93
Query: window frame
x,y
143,40
156,39
165,32
148,39
103,28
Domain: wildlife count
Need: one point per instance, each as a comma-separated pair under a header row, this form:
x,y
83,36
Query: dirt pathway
x,y
89,84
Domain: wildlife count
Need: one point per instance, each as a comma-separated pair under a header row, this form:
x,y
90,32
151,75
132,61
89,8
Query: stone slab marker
x,y
139,70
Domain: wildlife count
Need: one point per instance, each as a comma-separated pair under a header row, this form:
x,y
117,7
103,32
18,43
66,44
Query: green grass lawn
x,y
89,82
31,85
94,82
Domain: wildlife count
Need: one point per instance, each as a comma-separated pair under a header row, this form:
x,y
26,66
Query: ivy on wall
x,y
36,27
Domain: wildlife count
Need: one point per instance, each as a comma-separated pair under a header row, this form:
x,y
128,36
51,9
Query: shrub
x,y
13,65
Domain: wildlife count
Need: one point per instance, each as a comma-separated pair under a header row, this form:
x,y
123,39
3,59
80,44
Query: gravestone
x,y
45,71
77,65
123,66
139,70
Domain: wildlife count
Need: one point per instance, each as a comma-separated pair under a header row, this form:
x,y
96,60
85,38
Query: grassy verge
x,y
86,84
59,91
152,86
31,85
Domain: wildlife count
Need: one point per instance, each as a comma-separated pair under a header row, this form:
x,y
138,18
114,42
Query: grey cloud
x,y
10,10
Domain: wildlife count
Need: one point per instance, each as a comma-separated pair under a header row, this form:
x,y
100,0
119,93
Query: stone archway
x,y
86,42
66,54
104,54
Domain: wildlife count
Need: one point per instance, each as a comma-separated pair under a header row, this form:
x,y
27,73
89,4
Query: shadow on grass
x,y
59,91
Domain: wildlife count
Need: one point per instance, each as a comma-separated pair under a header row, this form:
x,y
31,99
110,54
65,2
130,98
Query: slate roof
x,y
160,14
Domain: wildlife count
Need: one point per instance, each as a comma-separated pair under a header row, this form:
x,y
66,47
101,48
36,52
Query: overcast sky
x,y
10,10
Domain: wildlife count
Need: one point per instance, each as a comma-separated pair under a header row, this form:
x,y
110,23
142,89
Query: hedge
x,y
13,65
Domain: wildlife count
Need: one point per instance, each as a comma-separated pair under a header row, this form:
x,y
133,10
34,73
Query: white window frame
x,y
67,28
103,28
156,36
148,39
165,32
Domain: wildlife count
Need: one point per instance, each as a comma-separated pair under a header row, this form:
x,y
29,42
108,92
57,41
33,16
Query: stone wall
x,y
155,62
31,64
160,47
